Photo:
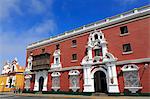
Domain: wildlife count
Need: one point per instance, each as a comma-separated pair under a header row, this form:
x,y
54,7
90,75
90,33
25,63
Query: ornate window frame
x,y
131,77
57,63
74,80
55,81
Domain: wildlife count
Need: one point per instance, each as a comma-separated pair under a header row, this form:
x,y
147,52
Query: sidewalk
x,y
61,96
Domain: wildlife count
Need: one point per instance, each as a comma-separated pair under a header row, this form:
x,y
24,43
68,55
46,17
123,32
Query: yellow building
x,y
12,76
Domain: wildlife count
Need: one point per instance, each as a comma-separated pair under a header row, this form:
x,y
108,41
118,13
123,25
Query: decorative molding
x,y
130,67
133,89
99,24
74,72
125,53
141,60
66,68
125,34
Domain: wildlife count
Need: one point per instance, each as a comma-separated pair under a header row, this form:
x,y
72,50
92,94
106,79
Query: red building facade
x,y
108,56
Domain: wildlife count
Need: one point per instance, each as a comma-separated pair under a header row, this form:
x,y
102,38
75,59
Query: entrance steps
x,y
99,94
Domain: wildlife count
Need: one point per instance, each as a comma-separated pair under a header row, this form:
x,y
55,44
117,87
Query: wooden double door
x,y
100,83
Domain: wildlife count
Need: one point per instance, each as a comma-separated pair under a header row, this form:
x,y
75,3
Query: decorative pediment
x,y
57,52
74,72
130,67
97,49
55,74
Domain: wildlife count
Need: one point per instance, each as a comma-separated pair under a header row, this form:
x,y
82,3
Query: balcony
x,y
41,62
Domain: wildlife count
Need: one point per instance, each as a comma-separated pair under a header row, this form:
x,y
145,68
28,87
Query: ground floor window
x,y
74,80
131,77
55,81
27,84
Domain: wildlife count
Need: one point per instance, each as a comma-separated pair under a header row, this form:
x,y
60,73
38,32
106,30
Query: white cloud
x,y
47,26
9,8
14,44
6,6
39,6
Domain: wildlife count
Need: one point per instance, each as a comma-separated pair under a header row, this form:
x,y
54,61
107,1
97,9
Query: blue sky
x,y
25,21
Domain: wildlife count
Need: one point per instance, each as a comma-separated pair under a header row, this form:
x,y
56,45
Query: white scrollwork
x,y
131,77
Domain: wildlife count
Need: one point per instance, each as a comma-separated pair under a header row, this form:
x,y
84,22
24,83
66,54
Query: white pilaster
x,y
88,81
113,81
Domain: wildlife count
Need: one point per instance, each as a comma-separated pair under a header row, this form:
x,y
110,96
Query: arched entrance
x,y
41,82
100,83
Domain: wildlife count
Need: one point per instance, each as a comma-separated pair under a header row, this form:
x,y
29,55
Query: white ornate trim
x,y
130,67
133,89
55,74
57,63
132,81
74,72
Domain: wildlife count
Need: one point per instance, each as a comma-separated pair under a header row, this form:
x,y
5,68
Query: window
x,y
96,36
55,81
74,56
74,43
74,80
57,60
127,47
10,82
13,68
97,52
124,29
131,77
57,46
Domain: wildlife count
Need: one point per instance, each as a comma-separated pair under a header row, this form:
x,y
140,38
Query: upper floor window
x,y
127,47
57,61
97,52
74,43
124,29
57,46
43,50
96,36
13,68
74,56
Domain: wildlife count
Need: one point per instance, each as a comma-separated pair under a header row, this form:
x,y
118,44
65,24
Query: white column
x,y
88,81
45,81
90,54
113,86
104,48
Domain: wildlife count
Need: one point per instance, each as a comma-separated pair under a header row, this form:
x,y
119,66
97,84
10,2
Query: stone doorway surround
x,y
38,74
105,62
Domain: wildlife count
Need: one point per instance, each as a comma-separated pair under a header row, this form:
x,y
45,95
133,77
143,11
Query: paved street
x,y
54,96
